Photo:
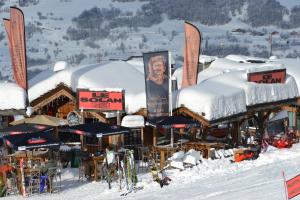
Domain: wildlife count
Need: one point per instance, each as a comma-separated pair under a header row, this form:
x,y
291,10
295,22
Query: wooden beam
x,y
11,112
98,116
60,90
185,111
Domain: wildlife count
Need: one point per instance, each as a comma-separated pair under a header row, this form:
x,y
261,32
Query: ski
x,y
108,178
134,189
124,174
119,172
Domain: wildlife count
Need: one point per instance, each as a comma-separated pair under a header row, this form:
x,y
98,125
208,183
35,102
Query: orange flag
x,y
191,55
15,29
293,187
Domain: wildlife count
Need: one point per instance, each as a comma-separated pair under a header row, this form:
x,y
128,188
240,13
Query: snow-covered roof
x,y
12,96
223,89
115,74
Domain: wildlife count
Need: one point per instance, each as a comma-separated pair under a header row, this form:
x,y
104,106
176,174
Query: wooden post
x,y
162,159
154,137
142,136
82,122
235,133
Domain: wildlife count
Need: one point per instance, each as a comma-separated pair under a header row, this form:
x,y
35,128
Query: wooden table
x,y
204,147
98,162
164,151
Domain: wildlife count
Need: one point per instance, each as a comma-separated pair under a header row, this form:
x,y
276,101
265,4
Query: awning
x,y
98,129
42,119
279,116
24,128
42,139
173,122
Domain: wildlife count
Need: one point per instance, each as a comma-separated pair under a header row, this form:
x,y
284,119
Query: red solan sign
x,y
100,100
274,76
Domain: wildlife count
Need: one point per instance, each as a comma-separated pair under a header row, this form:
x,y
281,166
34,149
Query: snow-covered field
x,y
213,179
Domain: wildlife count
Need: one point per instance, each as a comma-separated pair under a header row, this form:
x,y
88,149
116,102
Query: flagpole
x,y
170,95
286,197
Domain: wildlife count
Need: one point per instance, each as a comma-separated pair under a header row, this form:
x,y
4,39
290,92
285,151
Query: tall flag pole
x,y
284,183
15,29
191,55
170,94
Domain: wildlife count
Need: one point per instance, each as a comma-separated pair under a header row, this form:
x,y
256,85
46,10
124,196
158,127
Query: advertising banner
x,y
191,55
101,100
156,66
15,29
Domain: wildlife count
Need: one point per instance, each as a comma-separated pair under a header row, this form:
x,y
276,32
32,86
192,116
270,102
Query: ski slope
x,y
213,179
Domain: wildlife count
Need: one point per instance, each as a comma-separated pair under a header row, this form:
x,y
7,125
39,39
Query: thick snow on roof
x,y
223,89
12,96
116,74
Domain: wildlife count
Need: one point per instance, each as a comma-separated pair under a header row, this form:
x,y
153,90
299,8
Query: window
x,y
291,119
133,138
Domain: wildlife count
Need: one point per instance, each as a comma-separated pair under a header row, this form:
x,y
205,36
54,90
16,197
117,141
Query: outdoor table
x,y
98,162
204,147
163,151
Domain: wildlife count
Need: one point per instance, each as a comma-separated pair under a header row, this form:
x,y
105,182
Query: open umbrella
x,y
98,129
42,119
173,122
24,128
42,139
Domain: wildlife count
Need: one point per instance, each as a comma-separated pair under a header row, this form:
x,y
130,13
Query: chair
x,y
52,175
81,172
34,181
144,156
12,185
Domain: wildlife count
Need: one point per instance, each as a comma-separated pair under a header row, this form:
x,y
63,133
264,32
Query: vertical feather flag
x,y
191,55
15,29
292,186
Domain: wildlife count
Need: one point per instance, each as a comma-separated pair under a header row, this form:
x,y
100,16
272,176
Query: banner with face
x,y
156,66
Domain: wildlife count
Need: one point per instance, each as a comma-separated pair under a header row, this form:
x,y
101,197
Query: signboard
x,y
101,100
274,76
73,118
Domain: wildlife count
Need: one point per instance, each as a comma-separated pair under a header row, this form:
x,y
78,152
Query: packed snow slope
x,y
212,179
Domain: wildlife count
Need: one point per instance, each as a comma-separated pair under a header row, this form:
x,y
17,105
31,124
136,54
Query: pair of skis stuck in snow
x,y
127,171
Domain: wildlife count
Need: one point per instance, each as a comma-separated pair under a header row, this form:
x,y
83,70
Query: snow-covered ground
x,y
213,179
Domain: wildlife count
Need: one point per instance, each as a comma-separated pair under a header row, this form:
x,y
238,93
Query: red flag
x,y
191,55
15,29
7,28
293,187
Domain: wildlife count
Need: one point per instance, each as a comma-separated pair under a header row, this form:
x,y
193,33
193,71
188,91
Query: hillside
x,y
89,32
